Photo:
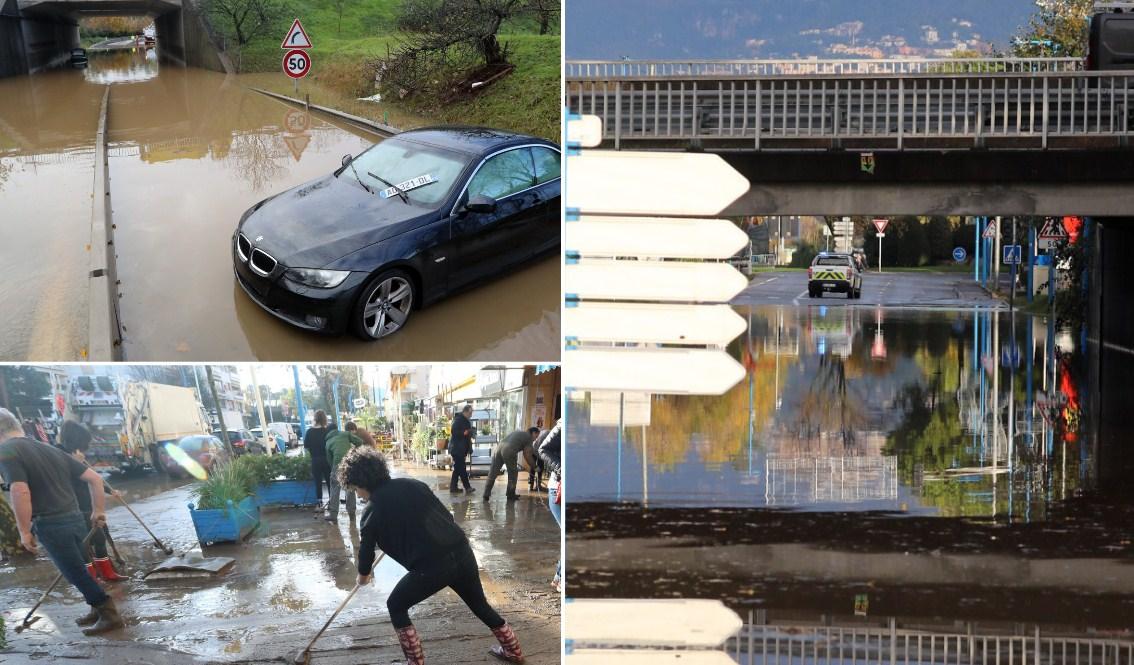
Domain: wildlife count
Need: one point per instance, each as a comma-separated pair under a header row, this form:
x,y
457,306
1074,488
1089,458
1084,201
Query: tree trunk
x,y
490,49
544,24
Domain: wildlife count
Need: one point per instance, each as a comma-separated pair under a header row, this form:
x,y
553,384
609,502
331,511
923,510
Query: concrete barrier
x,y
103,330
364,123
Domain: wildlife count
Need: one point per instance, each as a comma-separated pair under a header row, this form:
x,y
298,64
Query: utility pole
x,y
299,402
269,447
220,412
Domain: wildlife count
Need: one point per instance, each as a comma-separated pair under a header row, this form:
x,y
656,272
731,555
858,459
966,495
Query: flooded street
x,y
289,576
190,151
940,469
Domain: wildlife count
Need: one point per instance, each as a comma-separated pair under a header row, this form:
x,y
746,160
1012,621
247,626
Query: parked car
x,y
409,221
79,58
295,427
284,429
276,440
242,441
206,450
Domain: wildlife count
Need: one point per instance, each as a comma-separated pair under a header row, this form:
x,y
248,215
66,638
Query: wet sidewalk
x,y
288,578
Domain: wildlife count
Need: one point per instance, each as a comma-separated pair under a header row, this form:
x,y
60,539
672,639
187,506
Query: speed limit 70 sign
x,y
297,63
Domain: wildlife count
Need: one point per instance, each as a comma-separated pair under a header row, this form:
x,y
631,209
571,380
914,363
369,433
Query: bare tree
x,y
241,21
546,12
447,38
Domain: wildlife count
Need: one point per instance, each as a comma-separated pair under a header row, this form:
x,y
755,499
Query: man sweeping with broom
x,y
47,513
409,523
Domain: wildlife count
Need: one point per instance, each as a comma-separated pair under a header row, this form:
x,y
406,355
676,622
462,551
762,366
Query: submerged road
x,y
190,151
888,289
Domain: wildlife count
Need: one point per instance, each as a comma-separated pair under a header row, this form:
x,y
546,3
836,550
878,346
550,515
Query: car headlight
x,y
320,279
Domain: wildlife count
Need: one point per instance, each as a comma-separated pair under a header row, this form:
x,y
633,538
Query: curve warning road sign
x,y
296,37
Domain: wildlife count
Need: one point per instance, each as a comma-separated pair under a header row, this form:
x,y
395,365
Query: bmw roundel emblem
x,y
259,238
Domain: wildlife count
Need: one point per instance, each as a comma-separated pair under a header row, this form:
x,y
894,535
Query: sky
x,y
756,29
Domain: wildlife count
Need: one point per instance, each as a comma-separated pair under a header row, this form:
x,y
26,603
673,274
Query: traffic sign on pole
x,y
297,63
990,231
359,402
296,37
881,224
959,254
1053,230
652,183
1013,253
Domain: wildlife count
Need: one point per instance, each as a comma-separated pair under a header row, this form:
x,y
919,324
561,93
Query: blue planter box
x,y
226,525
287,493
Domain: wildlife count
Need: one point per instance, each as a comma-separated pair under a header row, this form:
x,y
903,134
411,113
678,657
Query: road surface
x,y
888,289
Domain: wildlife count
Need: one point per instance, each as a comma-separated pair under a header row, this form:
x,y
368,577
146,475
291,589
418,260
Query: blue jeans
x,y
62,537
557,513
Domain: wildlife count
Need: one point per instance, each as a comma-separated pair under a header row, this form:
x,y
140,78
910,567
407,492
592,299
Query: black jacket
x,y
460,436
409,523
550,447
315,442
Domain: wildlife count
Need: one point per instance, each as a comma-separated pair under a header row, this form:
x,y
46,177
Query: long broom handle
x,y
339,608
86,541
127,506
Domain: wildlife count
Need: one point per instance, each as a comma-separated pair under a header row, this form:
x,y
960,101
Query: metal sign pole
x,y
880,236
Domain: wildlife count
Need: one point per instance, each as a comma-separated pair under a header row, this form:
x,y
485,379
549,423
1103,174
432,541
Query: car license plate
x,y
829,285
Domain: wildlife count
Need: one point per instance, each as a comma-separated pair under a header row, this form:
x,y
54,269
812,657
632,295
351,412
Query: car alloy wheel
x,y
386,305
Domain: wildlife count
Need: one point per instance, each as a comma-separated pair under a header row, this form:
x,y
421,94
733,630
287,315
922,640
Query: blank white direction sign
x,y
655,237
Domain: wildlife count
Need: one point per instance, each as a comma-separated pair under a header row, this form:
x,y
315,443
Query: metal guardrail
x,y
776,644
955,111
639,69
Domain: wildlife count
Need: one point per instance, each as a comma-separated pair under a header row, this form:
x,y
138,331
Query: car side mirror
x,y
347,159
481,203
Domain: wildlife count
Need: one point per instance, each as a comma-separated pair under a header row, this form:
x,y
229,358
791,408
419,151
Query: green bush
x,y
234,482
266,468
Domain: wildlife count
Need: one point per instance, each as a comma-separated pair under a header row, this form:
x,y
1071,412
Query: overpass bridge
x,y
36,35
1036,136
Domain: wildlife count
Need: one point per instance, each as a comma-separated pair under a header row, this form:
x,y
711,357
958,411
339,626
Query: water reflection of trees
x,y
257,157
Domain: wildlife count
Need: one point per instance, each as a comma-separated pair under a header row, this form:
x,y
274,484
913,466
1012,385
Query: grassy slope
x,y
527,100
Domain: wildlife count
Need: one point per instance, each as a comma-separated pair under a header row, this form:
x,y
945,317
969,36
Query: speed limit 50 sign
x,y
297,63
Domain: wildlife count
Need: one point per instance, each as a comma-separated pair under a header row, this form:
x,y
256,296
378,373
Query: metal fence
x,y
639,69
809,480
887,111
783,644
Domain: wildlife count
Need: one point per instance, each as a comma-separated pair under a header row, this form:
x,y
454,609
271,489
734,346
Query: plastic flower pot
x,y
226,525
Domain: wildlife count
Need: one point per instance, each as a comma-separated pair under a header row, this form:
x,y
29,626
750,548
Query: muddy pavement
x,y
288,578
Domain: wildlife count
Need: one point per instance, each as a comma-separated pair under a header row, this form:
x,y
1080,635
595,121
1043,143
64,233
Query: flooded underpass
x,y
879,478
189,151
288,577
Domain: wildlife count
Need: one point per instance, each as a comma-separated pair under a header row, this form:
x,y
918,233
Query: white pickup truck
x,y
834,272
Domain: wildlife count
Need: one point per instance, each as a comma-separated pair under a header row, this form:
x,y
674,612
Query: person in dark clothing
x,y
413,527
535,475
47,513
315,442
460,445
75,439
549,452
504,456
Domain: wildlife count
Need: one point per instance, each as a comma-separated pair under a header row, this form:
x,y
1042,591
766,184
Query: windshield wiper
x,y
402,194
352,170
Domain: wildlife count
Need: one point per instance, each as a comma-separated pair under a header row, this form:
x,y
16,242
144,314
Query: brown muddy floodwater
x,y
190,151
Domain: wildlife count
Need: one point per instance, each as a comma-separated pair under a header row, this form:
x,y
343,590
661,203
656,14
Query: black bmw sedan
x,y
412,219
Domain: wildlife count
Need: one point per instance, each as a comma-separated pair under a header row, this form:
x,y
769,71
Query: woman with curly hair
x,y
413,527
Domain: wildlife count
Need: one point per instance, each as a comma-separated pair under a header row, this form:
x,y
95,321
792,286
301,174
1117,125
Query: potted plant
x,y
226,510
441,431
282,480
422,441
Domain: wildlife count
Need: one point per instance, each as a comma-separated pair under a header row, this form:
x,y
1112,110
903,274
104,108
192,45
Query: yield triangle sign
x,y
990,230
296,37
1053,230
881,224
297,144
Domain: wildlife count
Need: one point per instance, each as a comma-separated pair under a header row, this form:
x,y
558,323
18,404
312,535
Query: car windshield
x,y
427,174
831,261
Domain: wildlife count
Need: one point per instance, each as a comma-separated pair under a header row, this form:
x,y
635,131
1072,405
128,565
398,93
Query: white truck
x,y
157,414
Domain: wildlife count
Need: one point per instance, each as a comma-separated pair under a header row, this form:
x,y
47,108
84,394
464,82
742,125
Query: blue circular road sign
x,y
959,254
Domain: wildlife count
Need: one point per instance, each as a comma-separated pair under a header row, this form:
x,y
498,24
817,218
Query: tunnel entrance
x,y
36,35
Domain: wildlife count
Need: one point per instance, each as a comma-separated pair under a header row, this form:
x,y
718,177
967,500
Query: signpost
x,y
880,225
1013,254
296,60
359,402
959,254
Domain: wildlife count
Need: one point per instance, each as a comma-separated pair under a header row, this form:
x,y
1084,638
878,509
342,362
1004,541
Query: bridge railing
x,y
641,69
884,111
